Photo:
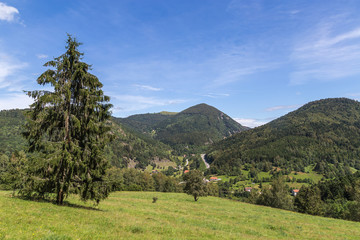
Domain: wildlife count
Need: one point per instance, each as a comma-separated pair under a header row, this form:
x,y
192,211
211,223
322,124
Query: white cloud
x,y
294,12
146,87
8,68
282,107
251,122
130,103
244,6
216,95
41,56
201,71
235,63
7,13
353,94
326,54
15,100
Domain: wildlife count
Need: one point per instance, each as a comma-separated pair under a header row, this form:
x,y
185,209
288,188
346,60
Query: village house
x,y
294,192
248,189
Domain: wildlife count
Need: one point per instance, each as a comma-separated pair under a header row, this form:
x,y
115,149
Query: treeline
x,y
14,174
126,145
336,198
322,132
129,179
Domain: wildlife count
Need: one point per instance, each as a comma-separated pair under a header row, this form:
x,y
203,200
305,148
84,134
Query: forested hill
x,y
198,125
10,131
126,146
144,123
324,132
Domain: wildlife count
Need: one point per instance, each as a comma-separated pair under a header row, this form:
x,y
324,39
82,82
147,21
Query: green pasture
x,y
132,215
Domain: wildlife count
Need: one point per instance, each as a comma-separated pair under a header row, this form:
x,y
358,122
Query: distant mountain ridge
x,y
142,137
126,146
324,132
198,125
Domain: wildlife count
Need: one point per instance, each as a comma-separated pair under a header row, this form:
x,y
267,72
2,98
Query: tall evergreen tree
x,y
68,129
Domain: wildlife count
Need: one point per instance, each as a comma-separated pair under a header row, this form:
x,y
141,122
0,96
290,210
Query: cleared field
x,y
132,215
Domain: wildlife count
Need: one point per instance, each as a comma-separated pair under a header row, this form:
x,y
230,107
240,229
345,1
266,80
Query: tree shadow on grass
x,y
73,205
65,203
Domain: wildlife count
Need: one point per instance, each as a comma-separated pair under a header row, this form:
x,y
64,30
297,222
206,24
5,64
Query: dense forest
x,y
192,128
11,122
142,138
127,145
324,132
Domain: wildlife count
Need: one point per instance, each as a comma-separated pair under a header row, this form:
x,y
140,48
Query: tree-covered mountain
x,y
199,125
324,132
11,122
129,145
126,146
144,123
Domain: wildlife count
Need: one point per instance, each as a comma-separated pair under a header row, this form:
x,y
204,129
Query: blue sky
x,y
255,60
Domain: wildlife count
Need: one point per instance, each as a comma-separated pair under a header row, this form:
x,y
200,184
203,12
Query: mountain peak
x,y
202,108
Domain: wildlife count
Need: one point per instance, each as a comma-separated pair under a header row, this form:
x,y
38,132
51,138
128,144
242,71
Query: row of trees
x,y
336,198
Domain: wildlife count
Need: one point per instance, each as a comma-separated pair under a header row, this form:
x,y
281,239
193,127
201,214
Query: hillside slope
x,y
127,145
143,123
132,215
11,122
198,125
324,132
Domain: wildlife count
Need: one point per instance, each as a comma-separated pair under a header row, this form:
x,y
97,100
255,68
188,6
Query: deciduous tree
x,y
195,184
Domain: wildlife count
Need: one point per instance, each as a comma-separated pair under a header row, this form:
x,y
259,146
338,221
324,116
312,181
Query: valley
x,y
315,144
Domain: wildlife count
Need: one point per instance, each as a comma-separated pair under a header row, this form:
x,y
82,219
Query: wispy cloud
x,y
14,100
236,63
200,71
130,103
282,107
41,56
353,94
294,12
216,95
146,87
7,13
243,6
327,54
251,122
9,67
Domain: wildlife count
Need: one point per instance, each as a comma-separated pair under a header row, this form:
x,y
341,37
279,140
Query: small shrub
x,y
154,199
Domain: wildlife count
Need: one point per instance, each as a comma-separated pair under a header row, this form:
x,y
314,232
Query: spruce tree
x,y
68,129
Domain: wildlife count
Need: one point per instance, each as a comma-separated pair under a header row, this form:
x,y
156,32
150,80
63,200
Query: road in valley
x,y
203,158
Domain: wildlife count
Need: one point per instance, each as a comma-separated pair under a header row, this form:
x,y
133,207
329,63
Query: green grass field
x,y
132,215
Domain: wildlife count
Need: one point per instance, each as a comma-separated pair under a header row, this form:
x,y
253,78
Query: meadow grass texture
x,y
132,215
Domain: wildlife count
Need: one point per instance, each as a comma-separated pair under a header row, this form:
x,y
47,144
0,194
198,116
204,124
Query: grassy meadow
x,y
132,215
